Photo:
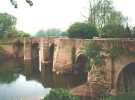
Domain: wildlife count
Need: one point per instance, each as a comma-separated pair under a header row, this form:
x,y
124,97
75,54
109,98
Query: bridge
x,y
66,55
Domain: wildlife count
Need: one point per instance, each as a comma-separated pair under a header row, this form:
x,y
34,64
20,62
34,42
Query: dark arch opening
x,y
126,78
35,57
51,53
80,66
18,49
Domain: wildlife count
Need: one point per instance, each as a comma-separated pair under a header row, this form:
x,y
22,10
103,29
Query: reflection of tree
x,y
8,77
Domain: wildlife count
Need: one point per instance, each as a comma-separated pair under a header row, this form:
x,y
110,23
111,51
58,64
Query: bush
x,y
60,94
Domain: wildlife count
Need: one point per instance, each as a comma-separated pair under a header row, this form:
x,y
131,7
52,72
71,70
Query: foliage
x,y
41,33
60,94
102,12
113,29
49,32
22,34
53,32
82,30
116,30
7,24
93,51
123,96
7,27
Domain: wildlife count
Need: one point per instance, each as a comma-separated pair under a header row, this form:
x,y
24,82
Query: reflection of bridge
x,y
66,54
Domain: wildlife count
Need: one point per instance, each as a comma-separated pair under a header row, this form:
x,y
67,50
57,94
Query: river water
x,y
20,81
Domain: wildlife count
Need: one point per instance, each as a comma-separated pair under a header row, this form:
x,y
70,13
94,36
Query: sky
x,y
46,14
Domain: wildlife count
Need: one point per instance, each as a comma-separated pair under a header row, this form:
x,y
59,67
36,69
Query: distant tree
x,y
127,29
54,32
60,94
82,30
41,33
7,24
49,32
22,34
133,30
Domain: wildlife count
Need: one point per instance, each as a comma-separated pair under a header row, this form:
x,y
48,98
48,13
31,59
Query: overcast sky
x,y
46,14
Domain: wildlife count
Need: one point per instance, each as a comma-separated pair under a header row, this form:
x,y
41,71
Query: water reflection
x,y
19,79
21,88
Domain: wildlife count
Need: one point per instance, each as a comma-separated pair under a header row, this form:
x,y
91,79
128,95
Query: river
x,y
20,81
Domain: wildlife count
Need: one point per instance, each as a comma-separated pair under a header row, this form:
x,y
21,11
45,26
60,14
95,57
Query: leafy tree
x,y
60,94
82,30
7,24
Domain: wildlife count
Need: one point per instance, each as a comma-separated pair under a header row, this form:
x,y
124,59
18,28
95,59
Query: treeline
x,y
103,21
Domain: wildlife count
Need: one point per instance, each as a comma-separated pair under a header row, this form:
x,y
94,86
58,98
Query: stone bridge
x,y
66,55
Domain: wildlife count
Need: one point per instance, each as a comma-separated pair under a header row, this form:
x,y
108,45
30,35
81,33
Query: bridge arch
x,y
126,78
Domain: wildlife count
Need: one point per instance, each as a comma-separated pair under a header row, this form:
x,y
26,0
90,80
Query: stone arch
x,y
126,78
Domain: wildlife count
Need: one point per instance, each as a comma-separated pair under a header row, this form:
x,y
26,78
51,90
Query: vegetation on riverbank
x,y
60,94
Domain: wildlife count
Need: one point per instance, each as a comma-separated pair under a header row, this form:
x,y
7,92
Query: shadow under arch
x,y
35,56
80,66
51,53
126,78
18,48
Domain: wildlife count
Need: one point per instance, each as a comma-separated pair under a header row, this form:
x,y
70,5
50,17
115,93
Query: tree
x,y
102,12
133,31
53,32
22,34
113,30
60,94
82,30
41,33
7,24
50,32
